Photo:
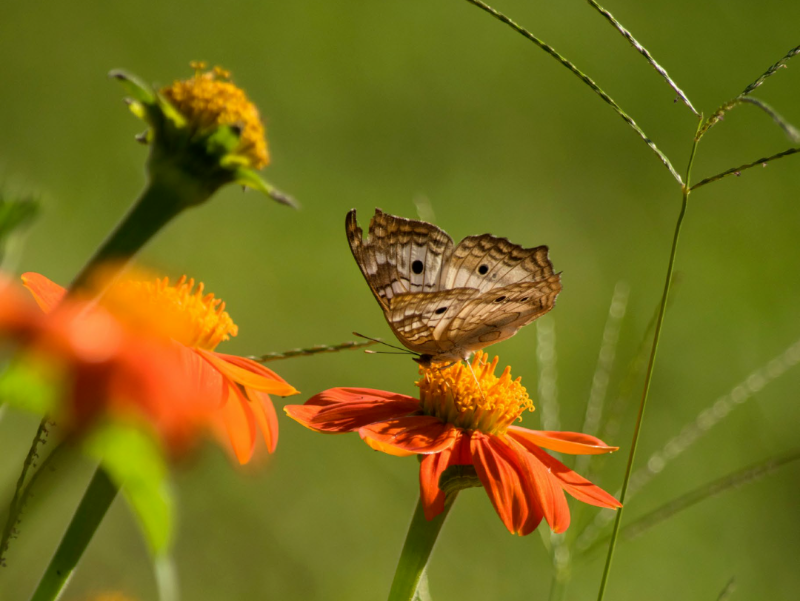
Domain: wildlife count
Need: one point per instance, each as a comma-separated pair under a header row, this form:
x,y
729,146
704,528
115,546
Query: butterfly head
x,y
424,360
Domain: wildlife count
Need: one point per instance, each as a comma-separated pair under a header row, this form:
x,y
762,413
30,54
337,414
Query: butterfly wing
x,y
415,318
399,256
447,302
486,262
498,314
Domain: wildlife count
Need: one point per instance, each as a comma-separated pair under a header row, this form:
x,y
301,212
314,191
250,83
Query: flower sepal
x,y
459,477
251,179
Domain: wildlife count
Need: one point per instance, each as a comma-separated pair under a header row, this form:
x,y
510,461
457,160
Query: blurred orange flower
x,y
465,419
102,365
233,391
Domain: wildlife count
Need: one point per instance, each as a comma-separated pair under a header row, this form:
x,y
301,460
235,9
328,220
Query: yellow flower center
x,y
209,100
181,310
473,399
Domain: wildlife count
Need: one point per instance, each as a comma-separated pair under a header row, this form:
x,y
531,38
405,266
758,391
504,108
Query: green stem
x,y
93,507
649,374
421,537
168,192
162,199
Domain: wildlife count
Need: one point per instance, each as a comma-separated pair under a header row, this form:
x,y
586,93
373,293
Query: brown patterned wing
x,y
498,314
417,318
399,256
487,262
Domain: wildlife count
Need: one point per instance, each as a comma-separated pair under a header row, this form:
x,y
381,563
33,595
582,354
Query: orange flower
x,y
101,365
463,419
239,387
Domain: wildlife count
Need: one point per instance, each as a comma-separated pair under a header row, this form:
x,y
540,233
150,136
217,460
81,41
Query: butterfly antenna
x,y
379,341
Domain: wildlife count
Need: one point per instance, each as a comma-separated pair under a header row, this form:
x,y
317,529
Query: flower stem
x,y
421,537
649,374
93,507
167,193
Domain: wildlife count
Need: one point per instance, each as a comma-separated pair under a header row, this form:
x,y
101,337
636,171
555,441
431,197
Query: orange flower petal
x,y
240,425
17,313
498,468
206,382
245,377
430,472
347,409
46,293
421,434
572,443
260,370
576,485
387,448
544,491
264,412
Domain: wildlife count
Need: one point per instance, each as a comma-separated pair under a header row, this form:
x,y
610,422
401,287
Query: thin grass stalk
x,y
612,418
788,129
648,374
738,170
772,70
22,487
314,350
21,499
645,53
717,115
605,365
547,382
585,79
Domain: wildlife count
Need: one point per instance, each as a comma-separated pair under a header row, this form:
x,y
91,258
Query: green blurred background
x,y
388,104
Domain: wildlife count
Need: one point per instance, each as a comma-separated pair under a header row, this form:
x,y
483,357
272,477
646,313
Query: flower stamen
x,y
210,99
473,398
188,315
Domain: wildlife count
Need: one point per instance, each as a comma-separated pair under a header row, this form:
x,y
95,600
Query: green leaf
x,y
25,385
134,461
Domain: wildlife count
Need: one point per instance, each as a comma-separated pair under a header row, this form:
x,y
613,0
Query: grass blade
x,y
690,433
707,491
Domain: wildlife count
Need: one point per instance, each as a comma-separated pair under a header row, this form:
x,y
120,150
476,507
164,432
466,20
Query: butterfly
x,y
442,301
